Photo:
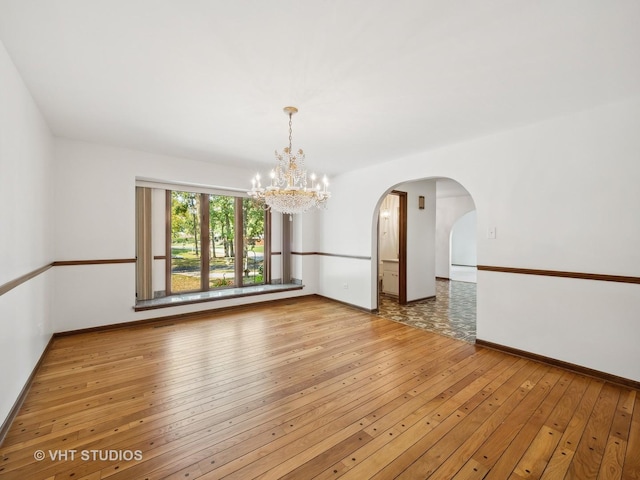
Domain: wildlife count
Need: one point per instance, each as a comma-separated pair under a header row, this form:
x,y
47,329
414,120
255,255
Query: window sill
x,y
212,296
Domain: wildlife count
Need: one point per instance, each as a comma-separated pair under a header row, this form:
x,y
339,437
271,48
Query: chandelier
x,y
290,191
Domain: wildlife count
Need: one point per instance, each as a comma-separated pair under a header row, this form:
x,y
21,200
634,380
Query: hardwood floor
x,y
309,388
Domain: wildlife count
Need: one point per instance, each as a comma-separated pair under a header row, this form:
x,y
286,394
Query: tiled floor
x,y
451,313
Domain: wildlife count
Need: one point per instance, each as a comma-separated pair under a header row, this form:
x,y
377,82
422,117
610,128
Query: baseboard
x,y
6,425
347,304
607,377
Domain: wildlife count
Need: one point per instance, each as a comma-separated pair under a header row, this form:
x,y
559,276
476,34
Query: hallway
x,y
451,313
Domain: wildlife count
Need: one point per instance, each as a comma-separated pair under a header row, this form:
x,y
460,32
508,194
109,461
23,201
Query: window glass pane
x,y
253,248
222,234
186,258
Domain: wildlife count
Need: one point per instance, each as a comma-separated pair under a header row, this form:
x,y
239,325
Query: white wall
x,y
303,241
95,195
563,196
463,240
584,322
421,236
346,228
448,211
26,232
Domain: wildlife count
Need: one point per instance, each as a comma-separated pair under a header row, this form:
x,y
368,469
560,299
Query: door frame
x,y
402,248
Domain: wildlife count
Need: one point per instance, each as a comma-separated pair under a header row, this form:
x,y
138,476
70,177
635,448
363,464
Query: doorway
x,y
392,247
439,302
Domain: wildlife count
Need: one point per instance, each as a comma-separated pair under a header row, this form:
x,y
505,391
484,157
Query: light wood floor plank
x,y
509,394
631,466
588,457
560,461
613,458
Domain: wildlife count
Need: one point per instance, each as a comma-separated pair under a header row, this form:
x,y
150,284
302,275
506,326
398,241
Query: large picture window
x,y
215,241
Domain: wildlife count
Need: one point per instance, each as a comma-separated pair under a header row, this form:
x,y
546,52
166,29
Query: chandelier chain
x,y
290,131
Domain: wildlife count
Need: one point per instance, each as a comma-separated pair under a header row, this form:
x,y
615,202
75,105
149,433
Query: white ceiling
x,y
373,79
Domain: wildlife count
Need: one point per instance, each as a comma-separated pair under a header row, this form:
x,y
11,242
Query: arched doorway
x,y
434,301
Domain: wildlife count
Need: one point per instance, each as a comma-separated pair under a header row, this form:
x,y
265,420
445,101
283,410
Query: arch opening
x,y
433,300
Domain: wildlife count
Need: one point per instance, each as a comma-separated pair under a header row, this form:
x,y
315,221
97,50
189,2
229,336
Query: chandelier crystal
x,y
290,191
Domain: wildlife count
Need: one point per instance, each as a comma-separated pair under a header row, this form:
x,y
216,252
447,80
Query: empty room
x,y
319,239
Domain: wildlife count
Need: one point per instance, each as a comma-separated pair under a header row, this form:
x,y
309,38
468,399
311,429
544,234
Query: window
x,y
198,240
216,241
254,242
186,242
